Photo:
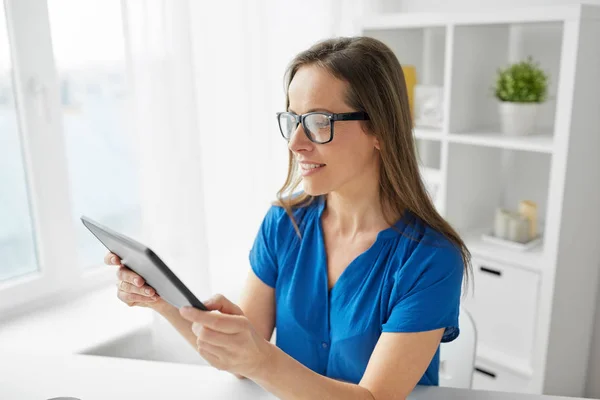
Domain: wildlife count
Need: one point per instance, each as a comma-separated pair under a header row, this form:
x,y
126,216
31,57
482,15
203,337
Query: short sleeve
x,y
427,290
263,254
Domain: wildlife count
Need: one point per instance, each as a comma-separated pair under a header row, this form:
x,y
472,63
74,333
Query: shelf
x,y
427,133
480,169
522,367
501,15
531,260
540,143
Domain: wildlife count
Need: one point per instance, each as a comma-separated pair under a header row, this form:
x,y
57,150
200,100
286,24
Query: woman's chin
x,y
313,189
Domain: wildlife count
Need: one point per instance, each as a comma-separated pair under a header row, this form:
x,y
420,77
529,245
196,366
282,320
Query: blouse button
x,y
324,345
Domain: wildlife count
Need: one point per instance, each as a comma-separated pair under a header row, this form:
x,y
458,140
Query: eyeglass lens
x,y
318,126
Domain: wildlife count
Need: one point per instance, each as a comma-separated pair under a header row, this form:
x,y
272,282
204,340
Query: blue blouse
x,y
407,281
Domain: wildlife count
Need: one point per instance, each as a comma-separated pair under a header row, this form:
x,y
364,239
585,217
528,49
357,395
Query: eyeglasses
x,y
318,126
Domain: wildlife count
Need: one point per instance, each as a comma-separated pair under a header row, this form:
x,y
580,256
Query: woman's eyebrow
x,y
312,110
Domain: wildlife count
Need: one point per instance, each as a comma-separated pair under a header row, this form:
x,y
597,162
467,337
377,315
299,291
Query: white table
x,y
25,376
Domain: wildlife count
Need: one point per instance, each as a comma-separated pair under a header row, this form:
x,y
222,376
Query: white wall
x,y
593,385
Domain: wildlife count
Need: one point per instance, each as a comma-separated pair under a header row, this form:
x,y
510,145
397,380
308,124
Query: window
x,y
65,148
88,46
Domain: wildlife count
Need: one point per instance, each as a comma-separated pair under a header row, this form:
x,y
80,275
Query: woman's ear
x,y
376,144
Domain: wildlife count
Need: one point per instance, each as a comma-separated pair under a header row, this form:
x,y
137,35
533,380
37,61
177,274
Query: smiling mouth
x,y
309,167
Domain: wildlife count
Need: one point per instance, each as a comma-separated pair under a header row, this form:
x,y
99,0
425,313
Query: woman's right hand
x,y
132,289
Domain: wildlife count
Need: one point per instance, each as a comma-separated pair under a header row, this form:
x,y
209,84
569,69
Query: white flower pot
x,y
518,119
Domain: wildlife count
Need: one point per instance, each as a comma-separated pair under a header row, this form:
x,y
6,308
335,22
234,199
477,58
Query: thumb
x,y
222,304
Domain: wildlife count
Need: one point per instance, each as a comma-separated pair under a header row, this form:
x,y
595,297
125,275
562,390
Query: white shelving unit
x,y
533,309
542,143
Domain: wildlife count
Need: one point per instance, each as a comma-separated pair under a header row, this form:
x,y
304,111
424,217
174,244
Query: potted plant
x,y
520,89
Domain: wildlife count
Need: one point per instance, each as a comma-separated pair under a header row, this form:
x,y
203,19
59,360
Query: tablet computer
x,y
144,262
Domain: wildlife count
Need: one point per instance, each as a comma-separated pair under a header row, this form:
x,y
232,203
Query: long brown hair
x,y
375,85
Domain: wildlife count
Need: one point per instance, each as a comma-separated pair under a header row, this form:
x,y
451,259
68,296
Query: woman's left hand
x,y
227,339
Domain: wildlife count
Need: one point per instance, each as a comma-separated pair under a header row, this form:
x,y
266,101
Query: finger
x,y
218,351
216,321
127,275
196,328
211,358
207,335
112,259
129,288
134,298
222,304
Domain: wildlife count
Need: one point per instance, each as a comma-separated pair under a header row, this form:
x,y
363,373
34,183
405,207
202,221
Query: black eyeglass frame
x,y
299,119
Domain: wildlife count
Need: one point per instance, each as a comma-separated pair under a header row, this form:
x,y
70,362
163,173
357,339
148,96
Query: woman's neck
x,y
354,211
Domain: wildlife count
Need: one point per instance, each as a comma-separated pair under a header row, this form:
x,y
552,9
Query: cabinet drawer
x,y
503,303
489,377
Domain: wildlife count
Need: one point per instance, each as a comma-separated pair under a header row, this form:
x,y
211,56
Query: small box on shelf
x,y
516,230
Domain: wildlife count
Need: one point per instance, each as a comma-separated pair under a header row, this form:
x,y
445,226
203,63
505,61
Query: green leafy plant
x,y
522,82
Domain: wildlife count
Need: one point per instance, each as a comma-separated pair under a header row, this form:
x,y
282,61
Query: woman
x,y
359,273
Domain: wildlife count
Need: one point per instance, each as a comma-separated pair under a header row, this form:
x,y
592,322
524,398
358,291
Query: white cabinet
x,y
534,310
488,376
504,307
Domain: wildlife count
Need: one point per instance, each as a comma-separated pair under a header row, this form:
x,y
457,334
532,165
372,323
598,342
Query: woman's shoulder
x,y
422,249
419,235
301,213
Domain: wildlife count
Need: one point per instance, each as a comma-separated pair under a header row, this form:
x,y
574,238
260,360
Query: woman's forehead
x,y
314,87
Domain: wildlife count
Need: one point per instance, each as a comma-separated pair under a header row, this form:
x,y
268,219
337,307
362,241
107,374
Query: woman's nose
x,y
299,141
